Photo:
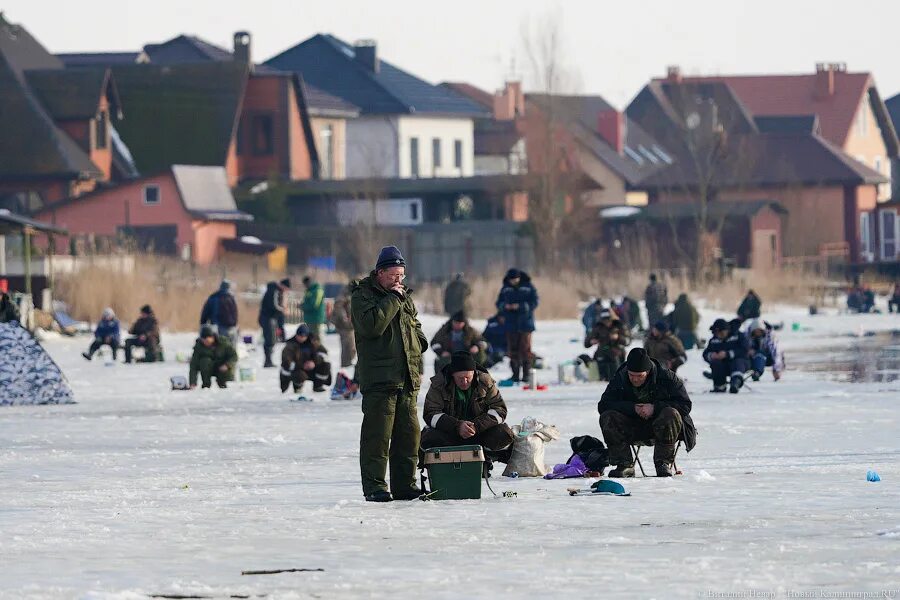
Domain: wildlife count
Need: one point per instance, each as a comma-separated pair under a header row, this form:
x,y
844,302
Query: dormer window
x,y
101,130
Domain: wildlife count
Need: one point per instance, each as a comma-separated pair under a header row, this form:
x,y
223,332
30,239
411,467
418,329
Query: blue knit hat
x,y
389,257
303,329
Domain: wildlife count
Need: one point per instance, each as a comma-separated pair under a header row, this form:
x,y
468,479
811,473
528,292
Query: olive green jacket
x,y
220,353
389,338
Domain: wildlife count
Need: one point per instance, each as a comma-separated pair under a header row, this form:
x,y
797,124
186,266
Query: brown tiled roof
x,y
72,93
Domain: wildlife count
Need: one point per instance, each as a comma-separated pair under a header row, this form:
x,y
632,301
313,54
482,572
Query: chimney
x,y
367,54
509,103
611,127
673,74
824,87
242,48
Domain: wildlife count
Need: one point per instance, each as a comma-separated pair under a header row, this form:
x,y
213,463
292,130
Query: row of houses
x,y
156,143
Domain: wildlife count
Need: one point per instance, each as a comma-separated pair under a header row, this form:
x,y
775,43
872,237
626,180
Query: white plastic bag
x,y
528,450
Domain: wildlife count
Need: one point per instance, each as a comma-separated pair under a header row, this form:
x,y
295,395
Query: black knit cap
x,y
462,361
207,331
459,316
286,282
389,257
638,361
146,309
719,325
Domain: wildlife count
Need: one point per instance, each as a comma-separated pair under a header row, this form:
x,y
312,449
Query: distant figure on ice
x,y
684,319
764,351
107,333
517,301
8,309
213,357
456,296
630,314
271,317
390,344
303,359
340,317
589,316
894,299
463,406
611,340
221,312
656,296
495,336
645,402
860,298
313,306
750,307
145,332
662,346
456,335
726,354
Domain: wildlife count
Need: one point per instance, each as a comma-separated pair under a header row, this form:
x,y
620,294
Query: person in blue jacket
x,y
727,355
106,334
495,335
517,302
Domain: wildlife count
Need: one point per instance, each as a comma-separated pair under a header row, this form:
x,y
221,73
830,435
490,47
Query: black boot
x,y
87,355
664,469
268,364
737,382
622,471
515,371
526,372
379,496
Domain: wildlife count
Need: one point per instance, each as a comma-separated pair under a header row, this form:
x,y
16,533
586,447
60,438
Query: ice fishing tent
x,y
27,373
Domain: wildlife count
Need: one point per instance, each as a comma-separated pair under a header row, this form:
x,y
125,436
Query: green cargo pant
x,y
209,370
390,430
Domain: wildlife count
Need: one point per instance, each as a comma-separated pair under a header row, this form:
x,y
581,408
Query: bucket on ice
x,y
247,374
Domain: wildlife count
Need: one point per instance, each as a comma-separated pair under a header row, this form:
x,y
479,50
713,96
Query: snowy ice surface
x,y
139,490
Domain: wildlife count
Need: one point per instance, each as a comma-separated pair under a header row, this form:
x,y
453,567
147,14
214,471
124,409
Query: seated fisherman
x,y
610,337
495,335
214,356
456,335
726,354
764,350
107,333
662,345
146,335
463,406
644,402
303,359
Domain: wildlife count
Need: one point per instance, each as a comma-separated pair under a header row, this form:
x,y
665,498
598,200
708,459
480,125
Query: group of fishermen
x,y
144,333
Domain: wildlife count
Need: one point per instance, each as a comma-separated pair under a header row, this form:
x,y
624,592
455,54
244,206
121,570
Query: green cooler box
x,y
455,472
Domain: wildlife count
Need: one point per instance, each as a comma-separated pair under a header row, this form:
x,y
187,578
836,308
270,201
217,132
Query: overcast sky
x,y
614,46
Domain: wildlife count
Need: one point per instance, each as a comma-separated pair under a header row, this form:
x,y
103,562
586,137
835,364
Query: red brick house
x,y
58,136
185,210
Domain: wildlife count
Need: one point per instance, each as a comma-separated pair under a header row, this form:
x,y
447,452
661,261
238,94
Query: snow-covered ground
x,y
138,490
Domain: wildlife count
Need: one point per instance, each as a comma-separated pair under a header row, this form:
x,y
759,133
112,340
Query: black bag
x,y
591,451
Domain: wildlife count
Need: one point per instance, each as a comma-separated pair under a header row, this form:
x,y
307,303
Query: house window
x,y
151,195
326,158
414,212
889,234
414,157
862,120
101,130
262,132
865,237
457,154
436,154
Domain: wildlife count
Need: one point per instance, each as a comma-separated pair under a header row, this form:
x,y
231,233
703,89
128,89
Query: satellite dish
x,y
692,121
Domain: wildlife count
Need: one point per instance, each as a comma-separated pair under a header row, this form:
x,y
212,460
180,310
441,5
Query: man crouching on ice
x,y
645,402
463,406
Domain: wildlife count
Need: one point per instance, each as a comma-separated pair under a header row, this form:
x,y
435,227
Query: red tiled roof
x,y
796,95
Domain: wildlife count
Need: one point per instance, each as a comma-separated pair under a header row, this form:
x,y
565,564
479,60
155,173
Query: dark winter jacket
x,y
340,314
220,309
146,326
296,353
737,345
443,339
8,309
526,297
611,340
108,329
656,296
456,296
313,305
684,317
487,408
667,390
664,349
750,307
495,334
389,338
220,353
272,305
589,316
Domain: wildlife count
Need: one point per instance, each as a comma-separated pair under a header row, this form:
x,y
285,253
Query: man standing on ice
x,y
645,402
389,344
